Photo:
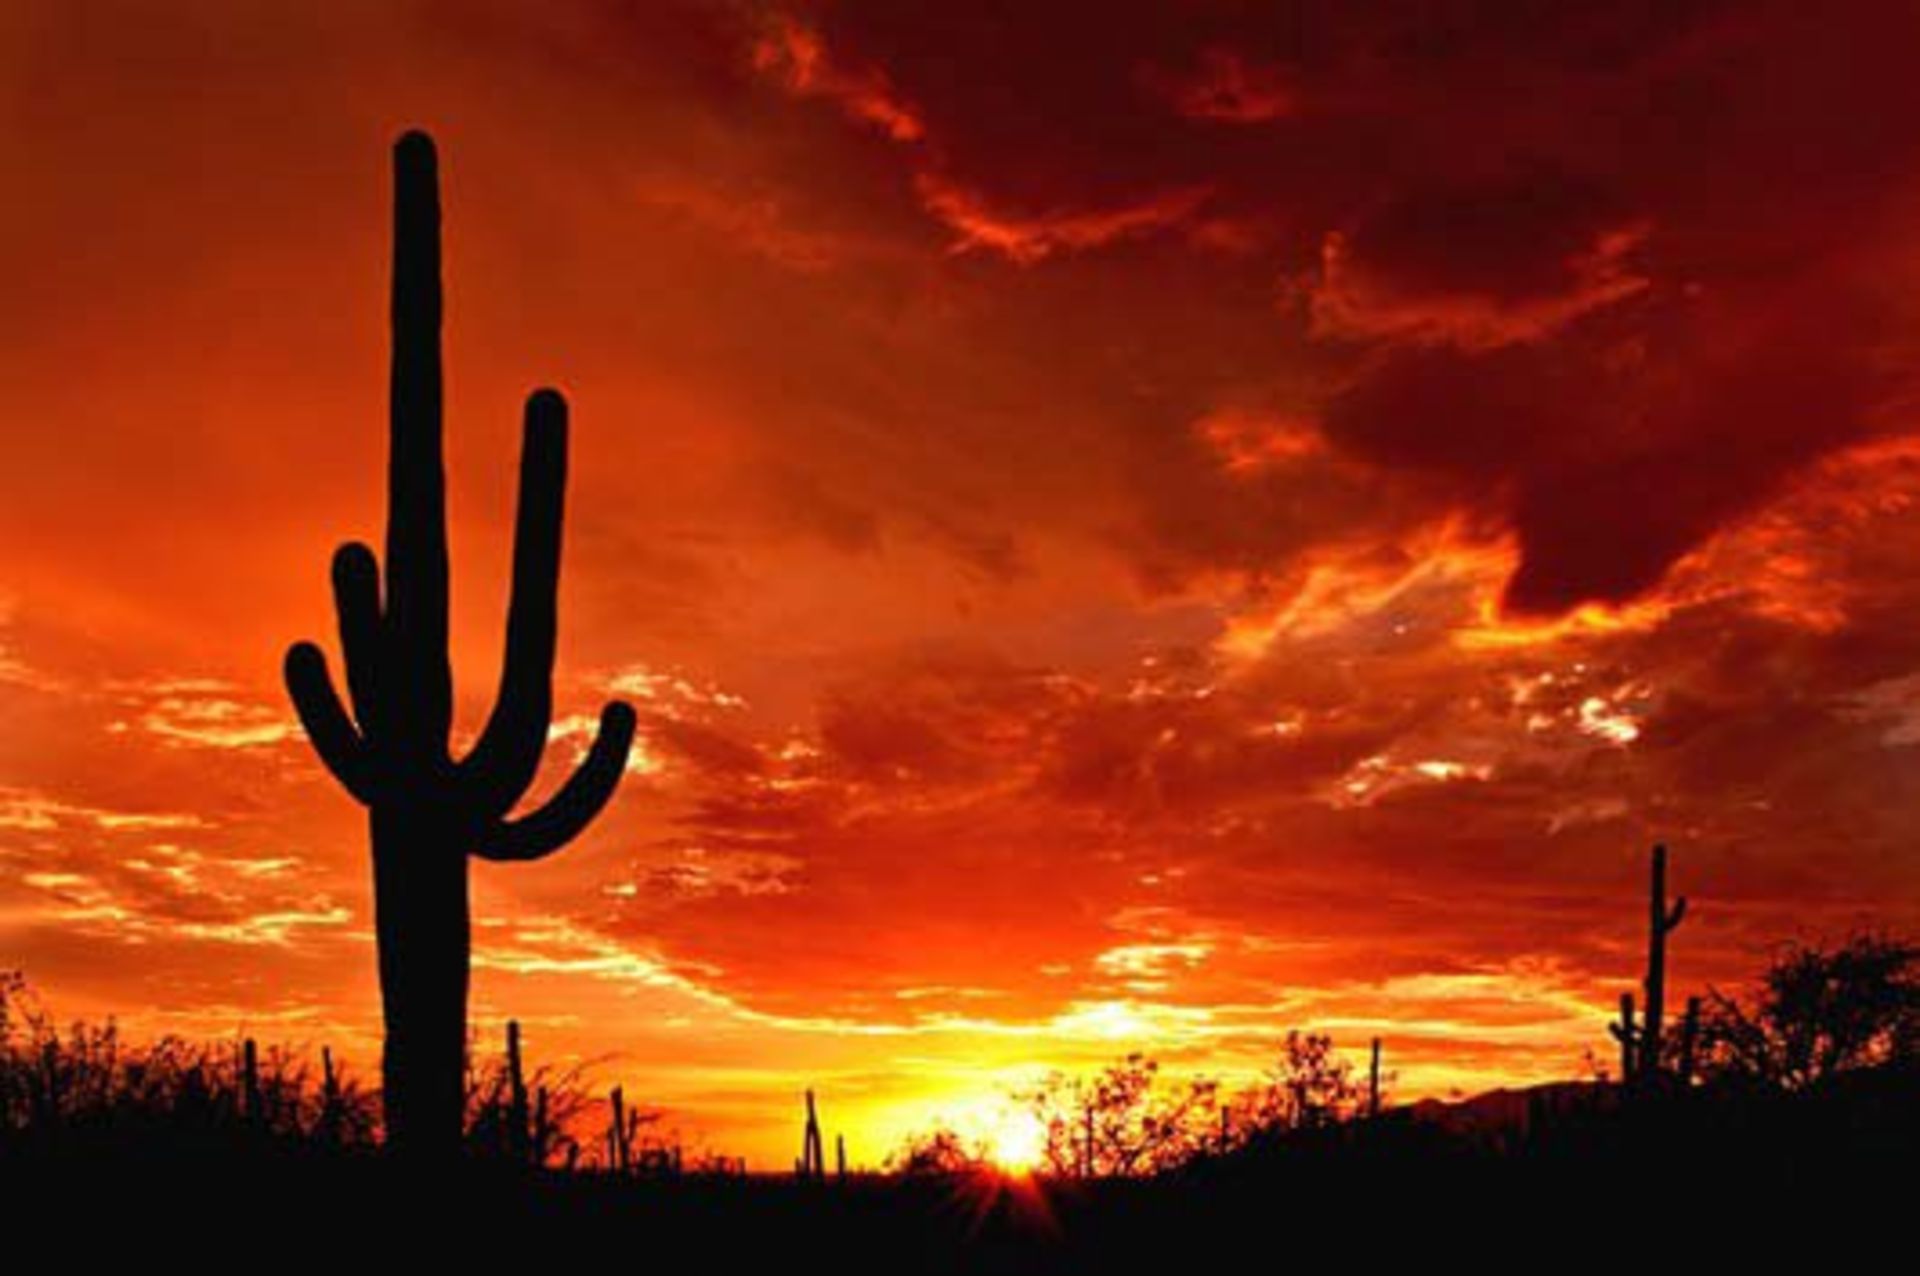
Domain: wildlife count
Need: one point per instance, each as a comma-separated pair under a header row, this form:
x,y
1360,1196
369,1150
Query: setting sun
x,y
996,1128
1016,1143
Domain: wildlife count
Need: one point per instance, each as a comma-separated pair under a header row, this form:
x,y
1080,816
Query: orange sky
x,y
1126,529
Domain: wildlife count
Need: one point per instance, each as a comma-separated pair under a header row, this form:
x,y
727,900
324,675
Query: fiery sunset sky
x,y
1128,526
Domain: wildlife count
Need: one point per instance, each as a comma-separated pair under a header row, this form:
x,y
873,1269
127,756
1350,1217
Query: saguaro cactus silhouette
x,y
427,811
519,1114
1627,1034
1662,920
813,1161
1641,1061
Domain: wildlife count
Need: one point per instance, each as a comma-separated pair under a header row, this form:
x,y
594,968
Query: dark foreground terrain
x,y
1557,1178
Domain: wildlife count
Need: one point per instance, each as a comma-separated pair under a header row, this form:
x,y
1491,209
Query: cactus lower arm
x,y
550,827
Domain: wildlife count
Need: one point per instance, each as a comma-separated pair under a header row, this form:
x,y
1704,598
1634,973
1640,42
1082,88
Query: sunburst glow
x,y
1016,1143
1001,1132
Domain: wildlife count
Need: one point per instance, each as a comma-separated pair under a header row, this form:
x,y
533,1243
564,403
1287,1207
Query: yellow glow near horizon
x,y
1017,1143
999,1130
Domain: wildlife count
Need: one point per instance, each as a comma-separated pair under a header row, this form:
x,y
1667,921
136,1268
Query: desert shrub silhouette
x,y
939,1153
1309,1087
87,1091
523,1118
1125,1120
429,812
1820,1011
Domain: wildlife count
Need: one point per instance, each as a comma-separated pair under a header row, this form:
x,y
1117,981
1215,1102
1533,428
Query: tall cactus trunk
x,y
1662,920
1643,1065
619,1138
429,812
423,930
1654,986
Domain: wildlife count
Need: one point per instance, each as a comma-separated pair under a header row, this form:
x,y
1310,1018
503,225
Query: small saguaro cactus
x,y
329,1099
429,811
813,1161
519,1115
1627,1034
621,1133
1643,1064
1662,920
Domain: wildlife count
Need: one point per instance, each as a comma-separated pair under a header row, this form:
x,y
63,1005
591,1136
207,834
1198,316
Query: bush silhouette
x,y
87,1090
939,1153
1123,1121
1820,1011
1310,1087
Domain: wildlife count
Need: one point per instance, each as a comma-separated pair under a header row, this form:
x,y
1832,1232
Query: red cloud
x,y
1026,239
794,54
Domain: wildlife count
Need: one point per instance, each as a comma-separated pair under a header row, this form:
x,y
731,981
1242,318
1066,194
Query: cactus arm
x,y
1676,914
544,831
417,567
328,726
356,601
507,755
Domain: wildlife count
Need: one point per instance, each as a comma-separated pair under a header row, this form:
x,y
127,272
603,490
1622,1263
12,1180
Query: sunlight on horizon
x,y
996,1127
1016,1143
